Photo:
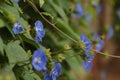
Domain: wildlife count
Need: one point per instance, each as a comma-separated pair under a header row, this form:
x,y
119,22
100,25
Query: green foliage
x,y
15,53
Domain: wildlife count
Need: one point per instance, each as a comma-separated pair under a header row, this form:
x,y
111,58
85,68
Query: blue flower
x,y
39,29
38,39
17,1
100,43
57,70
79,10
40,32
110,33
87,64
86,42
17,28
47,77
39,60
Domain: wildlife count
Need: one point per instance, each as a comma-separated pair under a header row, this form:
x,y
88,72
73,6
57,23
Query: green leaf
x,y
68,74
47,7
47,14
27,76
41,2
7,73
30,76
65,4
66,28
72,61
36,76
60,11
1,46
2,24
15,53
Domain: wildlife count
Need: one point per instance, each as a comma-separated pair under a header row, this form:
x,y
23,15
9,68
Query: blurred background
x,y
107,15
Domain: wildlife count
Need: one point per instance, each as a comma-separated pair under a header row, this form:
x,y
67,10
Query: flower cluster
x,y
39,62
87,64
39,58
17,28
86,42
40,32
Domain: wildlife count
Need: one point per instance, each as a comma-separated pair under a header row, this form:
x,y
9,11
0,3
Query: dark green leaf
x,y
2,24
1,46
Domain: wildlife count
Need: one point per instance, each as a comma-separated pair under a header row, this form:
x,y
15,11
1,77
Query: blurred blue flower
x,y
98,9
39,29
17,28
110,33
38,39
100,43
56,71
103,75
96,36
79,10
17,1
87,43
88,17
87,64
47,77
40,32
39,60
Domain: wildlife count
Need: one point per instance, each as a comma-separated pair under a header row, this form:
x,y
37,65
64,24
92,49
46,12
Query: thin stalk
x,y
109,55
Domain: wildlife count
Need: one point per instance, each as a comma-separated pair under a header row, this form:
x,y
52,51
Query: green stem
x,y
113,56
